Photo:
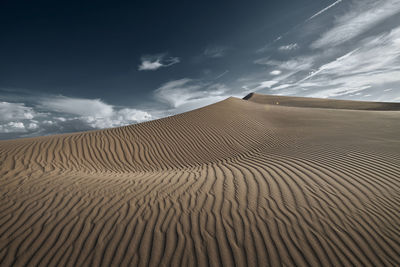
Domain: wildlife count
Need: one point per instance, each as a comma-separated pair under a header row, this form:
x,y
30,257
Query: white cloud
x,y
78,106
368,65
295,64
94,112
17,125
178,92
275,72
15,111
362,17
373,66
128,114
60,118
337,92
33,126
185,94
150,65
12,127
60,114
282,86
154,62
376,56
289,47
265,84
324,10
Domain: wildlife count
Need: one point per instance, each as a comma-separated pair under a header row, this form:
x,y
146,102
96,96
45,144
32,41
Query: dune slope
x,y
265,181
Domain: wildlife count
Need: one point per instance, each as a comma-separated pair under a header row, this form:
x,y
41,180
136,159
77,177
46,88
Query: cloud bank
x,y
59,114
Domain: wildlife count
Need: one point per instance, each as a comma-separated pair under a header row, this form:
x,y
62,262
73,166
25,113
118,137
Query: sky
x,y
69,66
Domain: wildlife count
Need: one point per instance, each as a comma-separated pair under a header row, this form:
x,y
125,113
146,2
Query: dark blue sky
x,y
78,65
92,49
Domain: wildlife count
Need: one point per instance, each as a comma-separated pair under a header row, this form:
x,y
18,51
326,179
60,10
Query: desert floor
x,y
260,181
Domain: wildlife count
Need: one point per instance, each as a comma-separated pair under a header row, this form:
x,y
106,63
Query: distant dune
x,y
260,181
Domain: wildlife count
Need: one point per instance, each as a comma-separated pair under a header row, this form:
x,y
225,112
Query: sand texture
x,y
266,181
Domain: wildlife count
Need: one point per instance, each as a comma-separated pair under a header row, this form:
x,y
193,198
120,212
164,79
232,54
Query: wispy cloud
x,y
154,62
222,74
362,17
296,64
216,51
78,106
345,78
185,94
329,65
367,70
288,47
324,10
265,84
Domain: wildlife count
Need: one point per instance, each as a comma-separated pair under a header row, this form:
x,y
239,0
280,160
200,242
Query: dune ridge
x,y
310,102
237,183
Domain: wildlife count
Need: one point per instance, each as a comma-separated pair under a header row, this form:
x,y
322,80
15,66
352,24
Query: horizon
x,y
74,66
246,98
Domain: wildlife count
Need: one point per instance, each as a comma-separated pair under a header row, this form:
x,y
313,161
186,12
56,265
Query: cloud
x,y
60,114
288,47
337,92
221,75
154,62
78,106
372,67
13,116
33,126
275,72
185,94
295,64
265,84
351,55
12,127
94,112
216,51
376,56
15,111
324,10
178,92
282,86
129,114
362,17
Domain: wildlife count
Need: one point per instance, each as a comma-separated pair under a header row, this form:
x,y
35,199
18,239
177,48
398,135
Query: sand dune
x,y
310,102
265,181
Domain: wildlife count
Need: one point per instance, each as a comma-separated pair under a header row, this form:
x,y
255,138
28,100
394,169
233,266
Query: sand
x,y
265,181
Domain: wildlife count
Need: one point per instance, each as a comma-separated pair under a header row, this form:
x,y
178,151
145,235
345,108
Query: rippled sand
x,y
265,181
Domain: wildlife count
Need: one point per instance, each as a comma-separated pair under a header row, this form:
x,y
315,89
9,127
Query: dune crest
x,y
263,181
309,102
